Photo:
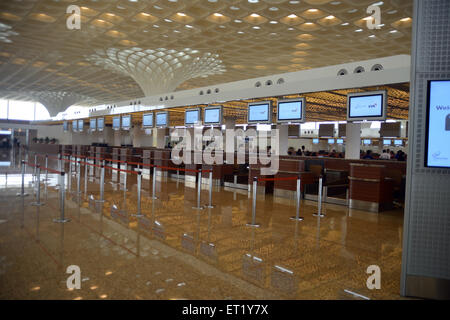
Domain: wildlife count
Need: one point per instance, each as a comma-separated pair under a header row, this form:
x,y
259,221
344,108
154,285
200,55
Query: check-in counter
x,y
263,186
219,171
370,189
288,168
162,158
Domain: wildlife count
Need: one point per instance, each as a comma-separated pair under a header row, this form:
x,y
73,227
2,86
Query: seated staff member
x,y
385,155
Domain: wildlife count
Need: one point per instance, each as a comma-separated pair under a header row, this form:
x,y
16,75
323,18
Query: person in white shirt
x,y
385,155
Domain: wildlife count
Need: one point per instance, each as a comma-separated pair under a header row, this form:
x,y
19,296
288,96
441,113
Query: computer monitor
x,y
80,125
192,117
213,115
387,142
116,123
331,141
126,122
162,119
315,141
340,141
367,142
292,110
369,106
398,142
259,112
65,126
74,125
437,151
147,120
93,124
100,124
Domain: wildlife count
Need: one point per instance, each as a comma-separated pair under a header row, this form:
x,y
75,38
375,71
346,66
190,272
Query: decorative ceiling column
x,y
159,70
56,102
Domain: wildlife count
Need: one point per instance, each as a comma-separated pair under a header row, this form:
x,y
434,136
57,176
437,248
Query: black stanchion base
x,y
197,208
61,220
210,206
154,198
253,225
297,219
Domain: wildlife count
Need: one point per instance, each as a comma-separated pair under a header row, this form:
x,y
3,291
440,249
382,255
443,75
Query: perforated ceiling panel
x,y
39,53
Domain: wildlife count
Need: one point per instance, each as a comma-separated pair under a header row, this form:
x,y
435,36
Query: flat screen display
x,y
65,126
212,115
367,142
192,116
398,142
438,125
315,141
366,106
126,122
259,112
100,124
116,123
80,125
331,141
147,120
340,141
93,124
74,125
162,119
387,142
291,110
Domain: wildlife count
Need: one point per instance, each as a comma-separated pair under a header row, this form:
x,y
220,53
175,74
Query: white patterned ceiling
x,y
39,53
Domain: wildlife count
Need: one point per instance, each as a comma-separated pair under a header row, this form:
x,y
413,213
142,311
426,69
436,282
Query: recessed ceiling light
x,y
292,16
330,17
181,14
352,10
405,19
218,14
294,2
312,10
256,27
392,12
253,1
240,32
167,20
290,29
273,22
380,3
273,9
234,8
393,31
345,24
359,30
189,26
255,15
238,21
372,36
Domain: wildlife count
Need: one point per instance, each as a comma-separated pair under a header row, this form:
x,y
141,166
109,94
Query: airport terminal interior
x,y
224,150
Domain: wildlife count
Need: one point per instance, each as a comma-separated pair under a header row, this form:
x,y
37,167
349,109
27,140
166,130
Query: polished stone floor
x,y
177,252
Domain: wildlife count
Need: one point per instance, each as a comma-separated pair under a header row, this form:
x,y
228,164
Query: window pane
x,y
3,109
41,112
21,110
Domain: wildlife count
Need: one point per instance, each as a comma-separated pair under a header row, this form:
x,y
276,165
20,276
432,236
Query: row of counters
x,y
362,184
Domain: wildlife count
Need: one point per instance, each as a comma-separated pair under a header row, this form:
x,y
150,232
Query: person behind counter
x,y
385,155
368,155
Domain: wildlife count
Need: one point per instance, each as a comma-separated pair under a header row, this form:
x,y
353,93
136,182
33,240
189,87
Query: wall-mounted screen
x,y
192,116
74,125
387,142
326,130
126,122
116,123
367,142
437,150
315,141
259,112
331,141
340,141
65,126
93,124
291,110
100,124
162,119
398,142
213,115
80,125
147,120
367,106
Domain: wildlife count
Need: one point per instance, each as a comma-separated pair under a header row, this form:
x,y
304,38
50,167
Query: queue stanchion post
x,y
22,189
125,177
254,224
102,187
62,200
139,187
154,197
319,213
199,190
297,202
38,202
35,164
46,167
85,176
210,205
69,178
79,179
